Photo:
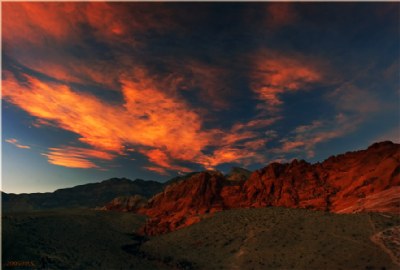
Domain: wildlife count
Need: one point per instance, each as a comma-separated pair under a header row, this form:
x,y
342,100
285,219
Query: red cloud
x,y
148,117
73,111
291,145
275,74
15,142
153,117
158,170
62,21
234,154
38,18
75,157
160,158
164,128
39,38
255,124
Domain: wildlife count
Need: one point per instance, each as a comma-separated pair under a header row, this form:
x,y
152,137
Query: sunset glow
x,y
149,89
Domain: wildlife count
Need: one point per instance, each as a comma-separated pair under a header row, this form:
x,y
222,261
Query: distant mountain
x,y
180,178
366,180
238,174
83,196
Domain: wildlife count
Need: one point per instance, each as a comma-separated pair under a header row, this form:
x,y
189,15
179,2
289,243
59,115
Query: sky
x,y
94,90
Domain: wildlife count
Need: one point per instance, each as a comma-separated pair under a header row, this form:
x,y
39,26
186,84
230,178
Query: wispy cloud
x,y
159,170
17,144
61,52
305,138
161,158
349,98
162,127
46,30
276,74
154,118
76,157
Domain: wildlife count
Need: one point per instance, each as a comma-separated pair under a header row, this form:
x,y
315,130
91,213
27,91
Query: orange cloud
x,y
222,155
15,142
153,117
63,21
77,112
276,74
160,158
42,35
75,157
164,121
255,124
244,143
158,170
291,145
162,127
34,19
148,117
234,154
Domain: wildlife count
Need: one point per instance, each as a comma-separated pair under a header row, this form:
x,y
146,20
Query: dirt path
x,y
389,241
238,262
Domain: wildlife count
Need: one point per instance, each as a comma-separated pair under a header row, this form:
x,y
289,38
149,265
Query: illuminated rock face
x,y
126,203
182,203
366,180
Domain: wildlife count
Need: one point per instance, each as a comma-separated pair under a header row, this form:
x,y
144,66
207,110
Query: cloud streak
x,y
179,98
17,144
161,127
305,138
58,39
276,74
76,157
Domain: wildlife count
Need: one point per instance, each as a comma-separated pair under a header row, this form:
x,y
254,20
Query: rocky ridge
x,y
366,180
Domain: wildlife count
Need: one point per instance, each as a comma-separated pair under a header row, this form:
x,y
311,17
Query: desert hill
x,y
279,238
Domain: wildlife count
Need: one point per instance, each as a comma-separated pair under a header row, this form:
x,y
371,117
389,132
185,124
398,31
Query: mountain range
x,y
366,180
360,181
82,196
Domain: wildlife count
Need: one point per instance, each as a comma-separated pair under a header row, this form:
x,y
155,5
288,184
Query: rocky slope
x,y
125,203
365,180
182,203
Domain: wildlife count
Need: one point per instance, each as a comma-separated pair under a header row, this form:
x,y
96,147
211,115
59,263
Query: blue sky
x,y
92,91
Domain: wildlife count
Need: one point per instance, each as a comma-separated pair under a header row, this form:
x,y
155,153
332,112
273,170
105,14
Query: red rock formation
x,y
182,203
361,174
126,203
346,183
291,185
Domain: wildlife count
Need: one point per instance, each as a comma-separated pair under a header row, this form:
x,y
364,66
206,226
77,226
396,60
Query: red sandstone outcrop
x,y
366,180
182,203
126,203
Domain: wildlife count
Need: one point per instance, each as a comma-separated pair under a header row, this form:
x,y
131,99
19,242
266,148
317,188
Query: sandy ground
x,y
265,238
